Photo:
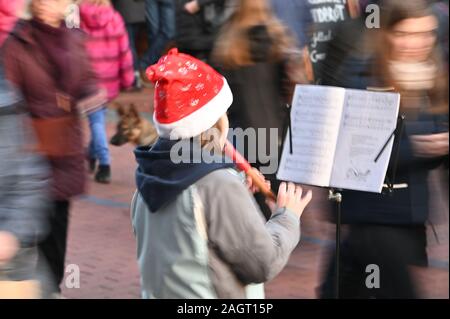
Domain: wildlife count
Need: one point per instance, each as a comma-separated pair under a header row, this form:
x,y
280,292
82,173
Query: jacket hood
x,y
160,180
96,16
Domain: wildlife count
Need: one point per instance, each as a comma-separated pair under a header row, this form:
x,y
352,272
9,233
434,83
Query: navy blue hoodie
x,y
159,180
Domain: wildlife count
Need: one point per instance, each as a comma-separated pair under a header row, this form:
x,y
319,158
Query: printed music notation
x,y
335,134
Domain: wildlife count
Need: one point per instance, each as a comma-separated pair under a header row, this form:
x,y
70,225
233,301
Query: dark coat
x,y
409,206
132,11
197,33
258,90
350,64
58,125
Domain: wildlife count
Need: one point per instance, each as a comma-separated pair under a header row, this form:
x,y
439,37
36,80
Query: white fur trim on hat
x,y
199,121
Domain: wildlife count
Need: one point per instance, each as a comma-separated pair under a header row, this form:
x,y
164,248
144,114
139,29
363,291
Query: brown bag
x,y
58,137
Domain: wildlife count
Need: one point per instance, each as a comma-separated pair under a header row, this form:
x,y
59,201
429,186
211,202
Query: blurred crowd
x,y
54,77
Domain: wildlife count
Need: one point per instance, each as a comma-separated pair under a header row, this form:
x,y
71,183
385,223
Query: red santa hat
x,y
190,96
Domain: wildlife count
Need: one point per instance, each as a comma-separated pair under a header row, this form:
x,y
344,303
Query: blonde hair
x,y
233,46
210,139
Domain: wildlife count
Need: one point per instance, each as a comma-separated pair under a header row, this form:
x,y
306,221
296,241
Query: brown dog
x,y
133,128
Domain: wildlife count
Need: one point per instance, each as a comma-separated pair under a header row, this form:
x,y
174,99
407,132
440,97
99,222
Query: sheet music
x,y
368,119
315,118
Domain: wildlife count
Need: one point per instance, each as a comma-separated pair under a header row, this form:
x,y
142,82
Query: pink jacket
x,y
8,17
108,47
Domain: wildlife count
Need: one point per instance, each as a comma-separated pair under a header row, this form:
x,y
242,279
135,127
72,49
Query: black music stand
x,y
336,195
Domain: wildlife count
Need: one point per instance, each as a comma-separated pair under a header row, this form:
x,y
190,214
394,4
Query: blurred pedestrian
x,y
48,64
23,191
198,23
23,177
109,51
133,13
199,232
388,230
160,18
253,52
326,17
349,37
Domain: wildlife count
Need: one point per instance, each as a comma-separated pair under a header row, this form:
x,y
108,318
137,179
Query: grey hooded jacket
x,y
211,242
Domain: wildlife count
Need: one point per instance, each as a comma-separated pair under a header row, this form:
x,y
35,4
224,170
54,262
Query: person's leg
x,y
100,142
383,246
350,273
132,29
167,26
92,152
91,148
153,21
165,32
52,250
91,156
392,249
99,138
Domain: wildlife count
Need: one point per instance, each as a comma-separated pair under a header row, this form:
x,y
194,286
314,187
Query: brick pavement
x,y
101,241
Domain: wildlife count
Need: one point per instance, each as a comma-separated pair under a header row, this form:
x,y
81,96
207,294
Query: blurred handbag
x,y
58,137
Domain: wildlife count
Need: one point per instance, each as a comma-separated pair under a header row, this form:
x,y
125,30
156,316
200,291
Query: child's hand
x,y
251,186
290,197
9,246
